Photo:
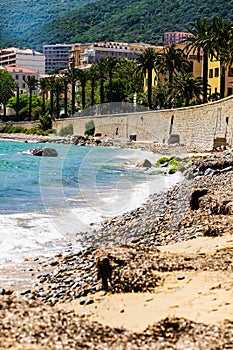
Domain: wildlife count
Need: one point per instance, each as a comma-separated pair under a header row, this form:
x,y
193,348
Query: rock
x,y
44,152
195,196
210,172
146,164
219,164
181,277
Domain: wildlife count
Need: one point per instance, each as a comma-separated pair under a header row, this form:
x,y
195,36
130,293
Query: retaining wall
x,y
195,127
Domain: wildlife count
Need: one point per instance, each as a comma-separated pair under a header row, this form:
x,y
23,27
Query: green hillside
x,y
20,18
130,21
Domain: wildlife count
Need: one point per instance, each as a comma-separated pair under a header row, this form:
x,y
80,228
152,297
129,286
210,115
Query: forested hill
x,y
20,18
122,20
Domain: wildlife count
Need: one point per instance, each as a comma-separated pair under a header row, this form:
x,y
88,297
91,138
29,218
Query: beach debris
x,y
29,324
104,272
195,196
80,140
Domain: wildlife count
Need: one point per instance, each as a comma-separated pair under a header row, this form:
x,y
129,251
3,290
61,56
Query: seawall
x,y
200,127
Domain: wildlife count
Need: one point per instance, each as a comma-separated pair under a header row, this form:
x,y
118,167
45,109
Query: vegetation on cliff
x,y
87,21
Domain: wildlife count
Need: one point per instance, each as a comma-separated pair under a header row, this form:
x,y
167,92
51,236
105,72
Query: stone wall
x,y
195,127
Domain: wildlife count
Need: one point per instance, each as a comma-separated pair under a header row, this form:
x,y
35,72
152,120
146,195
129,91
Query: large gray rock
x,y
146,164
44,152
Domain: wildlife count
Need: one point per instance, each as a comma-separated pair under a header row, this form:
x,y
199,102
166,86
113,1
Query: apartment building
x,y
20,74
27,58
170,38
57,56
96,51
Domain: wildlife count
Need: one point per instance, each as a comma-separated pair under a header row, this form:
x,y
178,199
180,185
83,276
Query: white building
x,y
26,58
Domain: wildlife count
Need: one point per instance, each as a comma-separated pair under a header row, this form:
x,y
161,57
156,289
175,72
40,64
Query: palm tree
x,y
201,44
65,82
82,76
222,34
72,76
174,61
93,77
186,88
31,82
58,89
101,70
51,88
111,63
44,87
146,63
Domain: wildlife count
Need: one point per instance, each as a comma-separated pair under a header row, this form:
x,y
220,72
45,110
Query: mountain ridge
x,y
117,20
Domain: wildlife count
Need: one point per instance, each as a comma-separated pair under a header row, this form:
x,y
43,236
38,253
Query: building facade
x,y
170,38
57,56
23,58
96,51
20,74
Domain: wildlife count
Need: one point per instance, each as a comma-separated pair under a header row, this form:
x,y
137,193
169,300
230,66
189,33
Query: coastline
x,y
177,261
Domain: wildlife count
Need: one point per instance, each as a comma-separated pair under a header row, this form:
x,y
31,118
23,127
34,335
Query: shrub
x,y
164,160
67,130
90,128
173,169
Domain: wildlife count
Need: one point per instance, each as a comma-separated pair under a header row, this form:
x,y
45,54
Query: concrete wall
x,y
195,127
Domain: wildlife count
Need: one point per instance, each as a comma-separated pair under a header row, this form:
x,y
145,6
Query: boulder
x,y
146,164
44,152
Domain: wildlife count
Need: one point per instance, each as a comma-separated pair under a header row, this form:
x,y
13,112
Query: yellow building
x,y
76,54
213,77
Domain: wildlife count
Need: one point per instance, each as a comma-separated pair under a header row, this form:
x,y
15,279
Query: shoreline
x,y
177,262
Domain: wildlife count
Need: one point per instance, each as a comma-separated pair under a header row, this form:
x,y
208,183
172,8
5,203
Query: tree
x,y
146,62
51,88
7,88
111,64
101,71
23,105
201,44
72,77
186,89
31,83
82,76
126,70
174,61
222,36
93,77
44,87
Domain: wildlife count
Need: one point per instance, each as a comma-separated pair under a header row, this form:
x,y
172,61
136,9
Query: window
x,y
230,72
229,92
211,73
16,77
216,72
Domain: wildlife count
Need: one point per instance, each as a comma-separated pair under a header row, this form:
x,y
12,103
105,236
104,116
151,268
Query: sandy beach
x,y
169,281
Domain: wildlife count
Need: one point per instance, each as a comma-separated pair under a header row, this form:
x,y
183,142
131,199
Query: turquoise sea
x,y
46,201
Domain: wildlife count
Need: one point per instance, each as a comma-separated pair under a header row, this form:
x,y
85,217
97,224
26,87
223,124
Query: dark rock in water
x,y
44,152
146,164
195,196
